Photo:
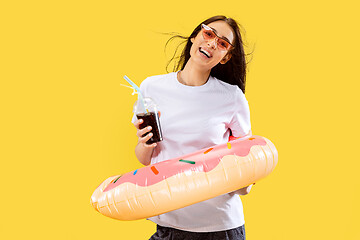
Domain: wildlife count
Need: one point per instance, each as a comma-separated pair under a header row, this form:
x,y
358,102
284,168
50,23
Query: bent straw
x,y
132,84
137,89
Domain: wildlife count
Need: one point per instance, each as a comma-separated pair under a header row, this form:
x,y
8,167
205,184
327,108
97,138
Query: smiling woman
x,y
202,104
234,72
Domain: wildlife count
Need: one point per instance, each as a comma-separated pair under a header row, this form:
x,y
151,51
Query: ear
x,y
226,58
192,40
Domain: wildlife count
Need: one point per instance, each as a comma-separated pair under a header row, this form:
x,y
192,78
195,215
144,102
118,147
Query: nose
x,y
212,43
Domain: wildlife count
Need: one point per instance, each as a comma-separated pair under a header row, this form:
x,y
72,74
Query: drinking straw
x,y
132,84
137,89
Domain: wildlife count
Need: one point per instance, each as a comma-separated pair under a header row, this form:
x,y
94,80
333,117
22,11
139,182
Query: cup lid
x,y
147,105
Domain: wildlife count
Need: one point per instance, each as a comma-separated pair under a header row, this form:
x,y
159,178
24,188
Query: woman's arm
x,y
241,127
143,151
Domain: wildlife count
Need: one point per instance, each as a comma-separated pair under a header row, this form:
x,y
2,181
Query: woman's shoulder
x,y
227,87
156,81
157,78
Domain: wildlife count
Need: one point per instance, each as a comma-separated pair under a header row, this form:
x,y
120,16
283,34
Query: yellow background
x,y
66,120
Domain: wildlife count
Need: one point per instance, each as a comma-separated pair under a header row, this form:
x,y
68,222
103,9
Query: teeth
x,y
205,52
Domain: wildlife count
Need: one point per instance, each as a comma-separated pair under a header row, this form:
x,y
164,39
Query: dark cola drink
x,y
151,119
146,109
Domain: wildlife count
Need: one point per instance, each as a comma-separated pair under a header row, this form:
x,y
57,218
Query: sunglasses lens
x,y
208,34
222,44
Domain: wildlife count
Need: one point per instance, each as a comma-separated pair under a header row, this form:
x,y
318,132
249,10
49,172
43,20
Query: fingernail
x,y
149,128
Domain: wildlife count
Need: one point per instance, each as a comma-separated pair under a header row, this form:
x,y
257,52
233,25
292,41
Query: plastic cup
x,y
148,112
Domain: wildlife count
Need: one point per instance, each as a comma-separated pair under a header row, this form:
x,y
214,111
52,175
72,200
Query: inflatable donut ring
x,y
182,181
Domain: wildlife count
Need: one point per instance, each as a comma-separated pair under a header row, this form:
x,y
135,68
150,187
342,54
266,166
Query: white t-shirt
x,y
193,118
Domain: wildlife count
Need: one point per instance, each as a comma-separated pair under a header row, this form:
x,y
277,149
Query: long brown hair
x,y
233,71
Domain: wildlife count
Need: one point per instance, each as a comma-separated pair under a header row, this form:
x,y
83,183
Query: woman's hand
x,y
142,138
244,190
144,151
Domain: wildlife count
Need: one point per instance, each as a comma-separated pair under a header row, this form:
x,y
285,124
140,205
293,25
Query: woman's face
x,y
207,53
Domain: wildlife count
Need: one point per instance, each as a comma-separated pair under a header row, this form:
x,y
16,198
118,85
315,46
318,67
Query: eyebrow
x,y
225,38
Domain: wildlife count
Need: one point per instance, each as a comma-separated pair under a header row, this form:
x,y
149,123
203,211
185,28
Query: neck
x,y
192,75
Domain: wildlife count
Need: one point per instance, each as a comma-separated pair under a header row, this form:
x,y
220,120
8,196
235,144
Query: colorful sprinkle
x,y
187,161
251,138
154,170
117,179
208,150
229,145
135,172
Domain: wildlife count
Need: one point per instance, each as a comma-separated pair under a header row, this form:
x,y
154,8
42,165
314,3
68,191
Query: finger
x,y
138,122
248,188
150,145
143,131
146,138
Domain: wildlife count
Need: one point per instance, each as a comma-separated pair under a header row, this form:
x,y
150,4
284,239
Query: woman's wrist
x,y
143,153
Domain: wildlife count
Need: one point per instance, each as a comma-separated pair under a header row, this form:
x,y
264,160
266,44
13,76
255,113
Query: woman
x,y
201,105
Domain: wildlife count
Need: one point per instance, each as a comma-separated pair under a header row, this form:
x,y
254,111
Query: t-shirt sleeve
x,y
143,91
240,122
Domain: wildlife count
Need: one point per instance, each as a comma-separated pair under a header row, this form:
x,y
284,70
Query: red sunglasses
x,y
209,35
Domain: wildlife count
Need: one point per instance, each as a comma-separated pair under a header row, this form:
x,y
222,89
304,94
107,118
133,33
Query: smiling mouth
x,y
208,55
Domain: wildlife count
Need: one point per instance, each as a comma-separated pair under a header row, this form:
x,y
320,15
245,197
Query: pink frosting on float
x,y
201,161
